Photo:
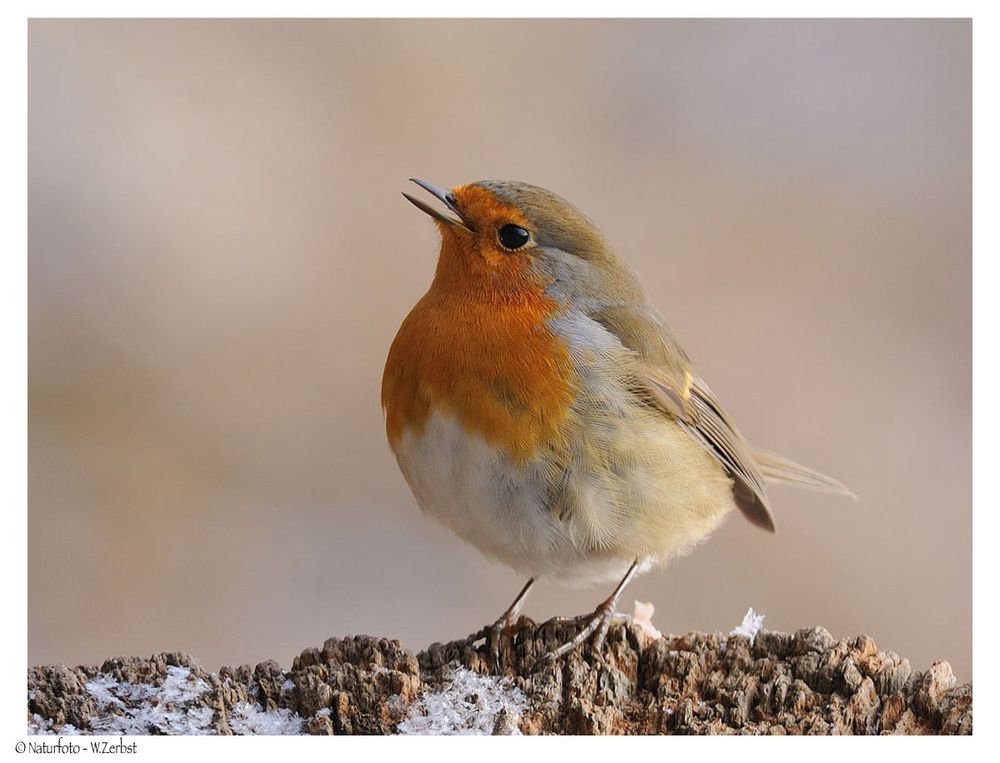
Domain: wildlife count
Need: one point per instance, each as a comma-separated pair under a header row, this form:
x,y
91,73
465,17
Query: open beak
x,y
446,197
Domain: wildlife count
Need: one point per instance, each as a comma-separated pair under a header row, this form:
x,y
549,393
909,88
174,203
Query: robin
x,y
539,405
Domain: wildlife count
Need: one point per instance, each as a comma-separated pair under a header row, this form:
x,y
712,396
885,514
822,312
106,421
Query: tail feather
x,y
777,468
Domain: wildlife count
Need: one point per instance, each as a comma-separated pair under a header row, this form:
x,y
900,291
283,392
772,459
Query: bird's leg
x,y
598,621
510,614
494,633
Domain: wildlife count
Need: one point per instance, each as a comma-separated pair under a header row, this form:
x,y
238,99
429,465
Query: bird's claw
x,y
595,624
494,639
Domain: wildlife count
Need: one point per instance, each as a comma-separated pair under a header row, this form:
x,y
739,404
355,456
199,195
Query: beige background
x,y
219,258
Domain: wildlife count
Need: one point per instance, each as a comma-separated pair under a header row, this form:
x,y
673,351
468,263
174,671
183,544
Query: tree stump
x,y
698,683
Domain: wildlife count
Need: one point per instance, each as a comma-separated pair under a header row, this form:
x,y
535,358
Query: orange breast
x,y
485,358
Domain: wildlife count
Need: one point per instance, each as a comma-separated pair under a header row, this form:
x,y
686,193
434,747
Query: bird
x,y
539,406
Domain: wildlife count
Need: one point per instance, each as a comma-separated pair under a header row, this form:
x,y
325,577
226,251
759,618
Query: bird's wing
x,y
665,379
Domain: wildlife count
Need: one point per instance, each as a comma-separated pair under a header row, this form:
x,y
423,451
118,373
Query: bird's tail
x,y
777,468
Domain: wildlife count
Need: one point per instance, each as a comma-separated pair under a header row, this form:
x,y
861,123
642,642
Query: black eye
x,y
513,236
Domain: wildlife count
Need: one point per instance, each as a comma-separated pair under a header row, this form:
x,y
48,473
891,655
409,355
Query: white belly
x,y
501,508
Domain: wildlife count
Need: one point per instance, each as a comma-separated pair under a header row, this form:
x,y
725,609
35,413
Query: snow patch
x,y
175,707
102,689
467,704
750,627
250,718
39,725
146,708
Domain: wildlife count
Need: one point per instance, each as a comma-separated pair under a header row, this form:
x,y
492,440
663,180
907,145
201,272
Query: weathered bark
x,y
806,683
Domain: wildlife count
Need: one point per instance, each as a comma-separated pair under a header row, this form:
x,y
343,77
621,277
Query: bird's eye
x,y
513,236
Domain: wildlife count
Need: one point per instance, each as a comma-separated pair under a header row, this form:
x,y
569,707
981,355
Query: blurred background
x,y
219,257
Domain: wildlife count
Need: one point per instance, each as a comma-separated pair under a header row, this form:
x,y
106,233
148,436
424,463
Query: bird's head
x,y
500,235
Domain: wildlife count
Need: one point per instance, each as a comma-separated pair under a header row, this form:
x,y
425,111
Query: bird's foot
x,y
494,633
594,624
493,636
494,639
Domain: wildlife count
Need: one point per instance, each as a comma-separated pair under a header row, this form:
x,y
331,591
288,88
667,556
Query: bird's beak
x,y
446,197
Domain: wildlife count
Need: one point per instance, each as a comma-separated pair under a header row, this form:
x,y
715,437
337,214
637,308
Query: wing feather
x,y
711,424
665,378
777,468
